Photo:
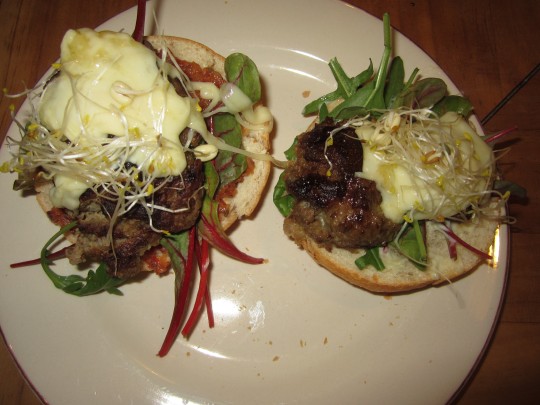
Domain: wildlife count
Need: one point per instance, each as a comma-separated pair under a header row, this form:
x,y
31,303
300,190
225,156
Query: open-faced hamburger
x,y
144,152
391,188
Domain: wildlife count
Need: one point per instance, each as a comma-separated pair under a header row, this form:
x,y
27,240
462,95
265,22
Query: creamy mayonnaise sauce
x,y
426,184
110,86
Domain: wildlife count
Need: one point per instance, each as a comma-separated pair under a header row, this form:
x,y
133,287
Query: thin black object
x,y
511,94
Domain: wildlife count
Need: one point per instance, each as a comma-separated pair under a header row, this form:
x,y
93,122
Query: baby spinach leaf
x,y
290,153
243,72
454,103
283,200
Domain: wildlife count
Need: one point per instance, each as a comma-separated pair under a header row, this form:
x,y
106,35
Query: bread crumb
x,y
325,341
276,358
306,93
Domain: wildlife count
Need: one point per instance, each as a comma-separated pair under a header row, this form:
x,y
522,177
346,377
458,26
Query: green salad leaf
x,y
412,244
371,257
95,281
229,165
243,72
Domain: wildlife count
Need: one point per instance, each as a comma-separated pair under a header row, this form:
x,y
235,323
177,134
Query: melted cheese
x,y
424,188
111,87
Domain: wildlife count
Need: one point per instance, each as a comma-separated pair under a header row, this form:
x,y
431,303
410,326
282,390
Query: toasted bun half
x,y
400,274
249,189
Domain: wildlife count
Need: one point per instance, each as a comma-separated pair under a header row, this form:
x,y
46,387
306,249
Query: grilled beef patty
x,y
132,233
332,205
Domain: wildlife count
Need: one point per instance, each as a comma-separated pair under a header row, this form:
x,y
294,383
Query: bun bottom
x,y
400,275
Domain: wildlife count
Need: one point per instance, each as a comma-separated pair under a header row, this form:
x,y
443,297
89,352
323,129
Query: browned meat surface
x,y
132,237
132,233
334,208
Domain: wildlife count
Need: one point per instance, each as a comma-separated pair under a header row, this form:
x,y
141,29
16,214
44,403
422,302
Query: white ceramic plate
x,y
286,331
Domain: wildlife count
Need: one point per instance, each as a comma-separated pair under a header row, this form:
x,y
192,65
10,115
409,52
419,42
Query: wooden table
x,y
485,46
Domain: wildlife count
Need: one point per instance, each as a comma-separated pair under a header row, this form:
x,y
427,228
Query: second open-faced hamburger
x,y
391,188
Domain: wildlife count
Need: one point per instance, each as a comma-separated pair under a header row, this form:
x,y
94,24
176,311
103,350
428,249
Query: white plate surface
x,y
286,331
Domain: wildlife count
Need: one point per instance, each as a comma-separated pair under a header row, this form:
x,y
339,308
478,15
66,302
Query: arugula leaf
x,y
396,77
365,94
95,281
346,86
370,96
376,99
371,257
411,244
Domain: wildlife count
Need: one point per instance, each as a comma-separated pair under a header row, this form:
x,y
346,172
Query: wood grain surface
x,y
485,46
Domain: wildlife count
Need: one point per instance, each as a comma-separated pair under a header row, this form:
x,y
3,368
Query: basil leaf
x,y
371,257
243,72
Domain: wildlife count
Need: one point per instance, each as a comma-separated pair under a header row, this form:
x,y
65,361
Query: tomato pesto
x,y
196,73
